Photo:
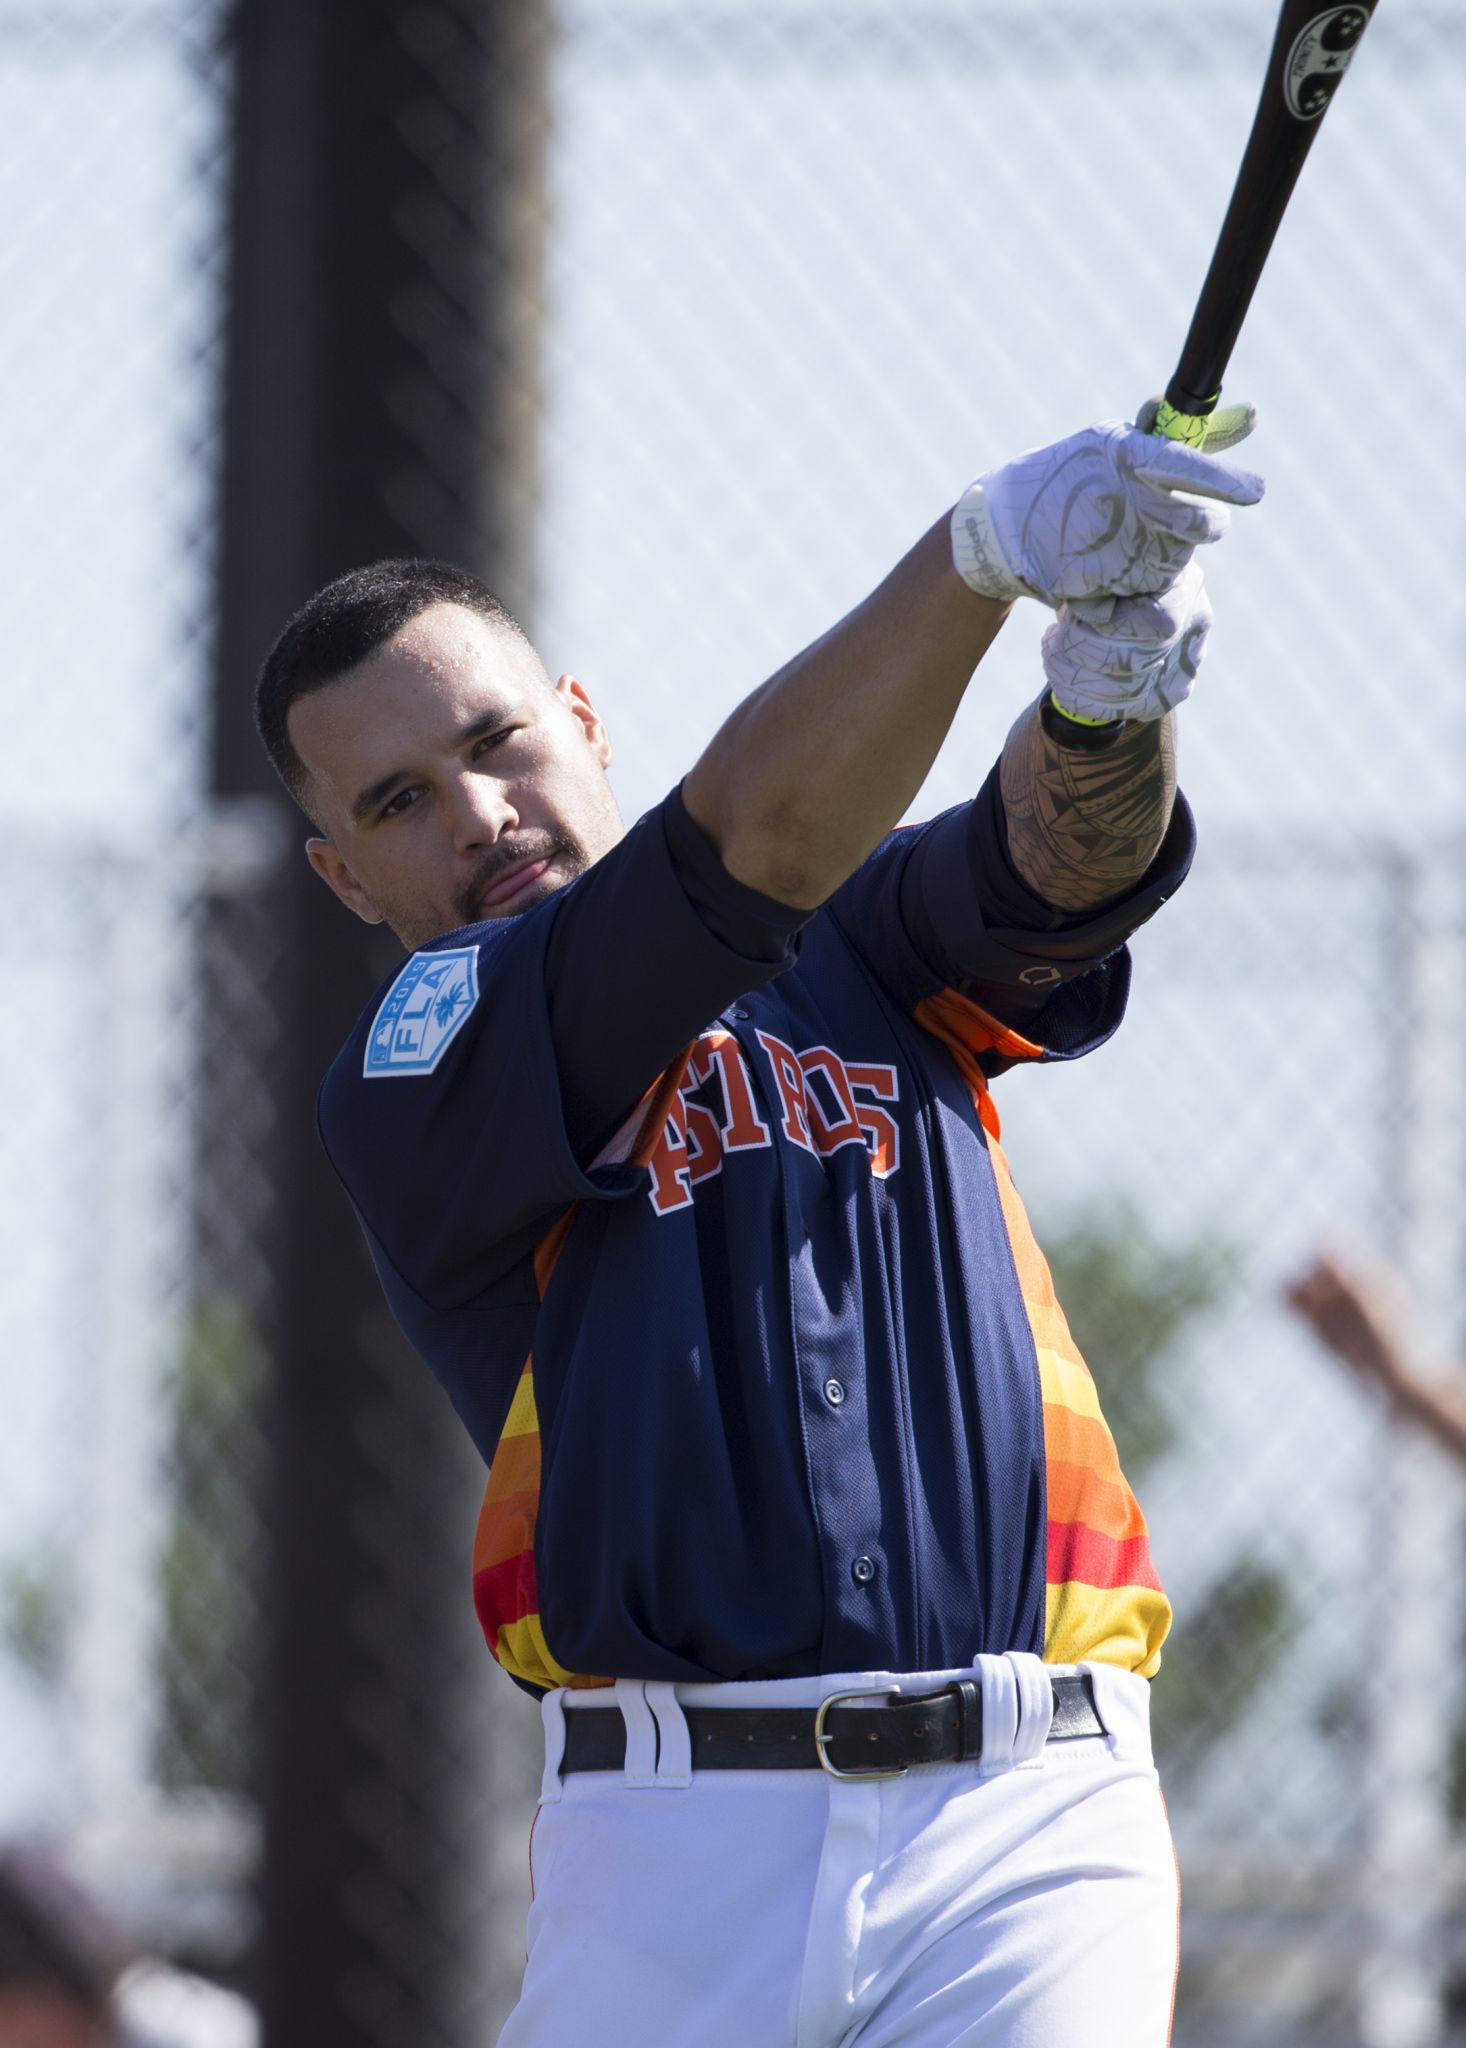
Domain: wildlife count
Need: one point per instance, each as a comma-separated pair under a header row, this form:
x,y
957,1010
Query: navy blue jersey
x,y
766,1366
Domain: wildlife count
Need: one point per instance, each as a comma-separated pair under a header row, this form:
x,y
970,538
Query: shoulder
x,y
443,991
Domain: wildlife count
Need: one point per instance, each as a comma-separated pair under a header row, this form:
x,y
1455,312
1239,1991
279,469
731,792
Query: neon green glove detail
x,y
1212,431
1078,717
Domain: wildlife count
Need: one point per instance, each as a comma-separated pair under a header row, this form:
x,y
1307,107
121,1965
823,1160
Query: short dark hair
x,y
342,626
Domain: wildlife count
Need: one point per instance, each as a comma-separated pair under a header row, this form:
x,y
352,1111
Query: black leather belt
x,y
870,1741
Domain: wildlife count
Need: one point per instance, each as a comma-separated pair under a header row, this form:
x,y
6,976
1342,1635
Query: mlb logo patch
x,y
422,1013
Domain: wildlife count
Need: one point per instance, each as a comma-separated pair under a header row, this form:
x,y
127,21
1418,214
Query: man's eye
x,y
494,739
395,806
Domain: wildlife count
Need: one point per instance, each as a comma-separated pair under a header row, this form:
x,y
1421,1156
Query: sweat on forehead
x,y
448,640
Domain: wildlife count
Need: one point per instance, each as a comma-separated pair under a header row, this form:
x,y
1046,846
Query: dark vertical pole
x,y
379,400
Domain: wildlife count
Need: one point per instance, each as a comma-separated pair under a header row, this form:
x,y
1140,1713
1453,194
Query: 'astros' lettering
x,y
821,1102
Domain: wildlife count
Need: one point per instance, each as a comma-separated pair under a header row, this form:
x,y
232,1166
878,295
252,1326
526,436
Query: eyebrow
x,y
377,793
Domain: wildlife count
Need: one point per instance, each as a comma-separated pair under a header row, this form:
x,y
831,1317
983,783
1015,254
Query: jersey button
x,y
740,1015
863,1570
834,1393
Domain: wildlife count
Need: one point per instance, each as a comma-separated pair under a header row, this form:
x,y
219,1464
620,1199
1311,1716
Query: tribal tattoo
x,y
1085,824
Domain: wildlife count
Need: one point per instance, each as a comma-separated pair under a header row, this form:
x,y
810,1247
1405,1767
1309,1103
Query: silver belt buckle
x,y
823,1738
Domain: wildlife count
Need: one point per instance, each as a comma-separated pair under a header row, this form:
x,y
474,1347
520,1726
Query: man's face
x,y
451,780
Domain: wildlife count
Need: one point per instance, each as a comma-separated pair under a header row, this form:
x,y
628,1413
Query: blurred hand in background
x,y
1362,1319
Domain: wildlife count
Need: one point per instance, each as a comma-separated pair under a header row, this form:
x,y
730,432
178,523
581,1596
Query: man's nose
x,y
481,810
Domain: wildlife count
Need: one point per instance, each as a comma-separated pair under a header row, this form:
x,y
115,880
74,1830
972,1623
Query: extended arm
x,y
816,766
1357,1324
812,770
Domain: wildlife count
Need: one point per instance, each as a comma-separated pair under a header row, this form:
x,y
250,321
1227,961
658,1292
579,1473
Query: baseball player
x,y
676,1154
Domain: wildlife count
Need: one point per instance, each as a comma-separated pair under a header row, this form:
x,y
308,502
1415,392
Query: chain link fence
x,y
797,271
121,1699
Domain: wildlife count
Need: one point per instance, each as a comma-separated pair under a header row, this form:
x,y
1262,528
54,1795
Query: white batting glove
x,y
1139,662
1110,511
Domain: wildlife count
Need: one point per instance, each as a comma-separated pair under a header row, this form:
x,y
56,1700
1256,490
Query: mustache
x,y
524,847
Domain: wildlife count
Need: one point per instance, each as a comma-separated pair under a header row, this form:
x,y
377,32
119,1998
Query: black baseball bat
x,y
1310,54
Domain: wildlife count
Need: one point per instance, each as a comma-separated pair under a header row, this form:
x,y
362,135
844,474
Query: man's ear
x,y
576,699
339,879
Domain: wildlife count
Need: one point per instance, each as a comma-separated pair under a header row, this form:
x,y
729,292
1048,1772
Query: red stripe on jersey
x,y
505,1592
1078,1553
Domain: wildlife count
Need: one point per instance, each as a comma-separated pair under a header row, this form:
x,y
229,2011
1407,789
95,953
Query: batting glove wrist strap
x,y
976,555
1069,729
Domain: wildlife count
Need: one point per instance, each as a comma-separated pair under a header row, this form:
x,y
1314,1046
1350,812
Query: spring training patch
x,y
422,1013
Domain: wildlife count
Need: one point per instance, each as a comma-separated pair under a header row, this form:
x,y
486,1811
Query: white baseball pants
x,y
1025,1901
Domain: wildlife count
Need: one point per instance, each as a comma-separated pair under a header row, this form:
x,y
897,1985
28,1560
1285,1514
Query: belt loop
x,y
641,1732
674,1741
1035,1695
999,1711
552,1713
969,1710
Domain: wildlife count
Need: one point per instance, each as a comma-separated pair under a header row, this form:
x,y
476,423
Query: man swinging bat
x,y
675,1151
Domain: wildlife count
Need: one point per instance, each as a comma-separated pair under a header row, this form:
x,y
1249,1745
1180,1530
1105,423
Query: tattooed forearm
x,y
1083,827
